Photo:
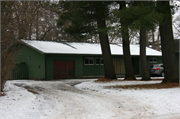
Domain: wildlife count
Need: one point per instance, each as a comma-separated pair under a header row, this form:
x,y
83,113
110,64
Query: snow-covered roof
x,y
51,47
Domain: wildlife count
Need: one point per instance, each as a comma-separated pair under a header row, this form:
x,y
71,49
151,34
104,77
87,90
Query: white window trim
x,y
89,58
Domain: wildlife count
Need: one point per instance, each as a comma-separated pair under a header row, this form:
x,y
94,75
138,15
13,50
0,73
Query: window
x,y
89,61
153,60
99,61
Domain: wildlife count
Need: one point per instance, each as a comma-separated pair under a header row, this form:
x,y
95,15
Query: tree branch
x,y
176,28
47,32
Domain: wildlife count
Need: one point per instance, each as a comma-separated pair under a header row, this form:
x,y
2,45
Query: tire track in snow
x,y
81,104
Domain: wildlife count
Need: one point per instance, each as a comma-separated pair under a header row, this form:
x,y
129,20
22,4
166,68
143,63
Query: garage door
x,y
63,69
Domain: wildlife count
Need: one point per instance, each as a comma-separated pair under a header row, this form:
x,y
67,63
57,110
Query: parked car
x,y
157,69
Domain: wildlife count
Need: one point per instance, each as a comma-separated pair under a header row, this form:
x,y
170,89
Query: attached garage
x,y
69,60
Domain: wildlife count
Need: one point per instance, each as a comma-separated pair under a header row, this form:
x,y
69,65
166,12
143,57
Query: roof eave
x,y
41,52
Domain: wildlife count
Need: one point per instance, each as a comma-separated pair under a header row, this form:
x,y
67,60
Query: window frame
x,y
97,58
89,58
100,61
152,60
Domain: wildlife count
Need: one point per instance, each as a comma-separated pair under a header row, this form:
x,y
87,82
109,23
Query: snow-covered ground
x,y
85,99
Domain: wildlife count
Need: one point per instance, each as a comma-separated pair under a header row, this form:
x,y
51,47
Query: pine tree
x,y
126,48
143,60
143,17
87,19
167,43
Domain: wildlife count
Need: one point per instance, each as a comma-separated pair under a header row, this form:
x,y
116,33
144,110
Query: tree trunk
x,y
105,48
167,44
126,49
143,61
21,30
158,42
147,39
30,31
37,26
153,42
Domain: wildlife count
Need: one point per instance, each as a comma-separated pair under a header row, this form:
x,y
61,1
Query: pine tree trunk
x,y
153,42
126,48
167,44
147,39
143,61
105,47
21,30
30,31
158,42
37,26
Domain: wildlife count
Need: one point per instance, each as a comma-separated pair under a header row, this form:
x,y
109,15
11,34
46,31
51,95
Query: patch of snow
x,y
87,100
18,103
84,48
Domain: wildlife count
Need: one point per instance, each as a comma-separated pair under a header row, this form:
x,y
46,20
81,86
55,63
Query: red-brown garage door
x,y
63,69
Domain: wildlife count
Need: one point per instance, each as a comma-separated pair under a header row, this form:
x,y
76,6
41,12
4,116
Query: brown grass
x,y
139,86
3,94
147,86
102,79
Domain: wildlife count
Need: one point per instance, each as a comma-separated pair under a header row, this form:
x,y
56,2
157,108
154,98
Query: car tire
x,y
162,74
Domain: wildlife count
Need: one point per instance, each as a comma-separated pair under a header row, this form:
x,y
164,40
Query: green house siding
x,y
136,65
92,69
98,69
159,60
85,70
20,71
78,69
34,60
33,64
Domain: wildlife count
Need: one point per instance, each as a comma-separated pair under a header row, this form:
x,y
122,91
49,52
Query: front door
x,y
63,69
